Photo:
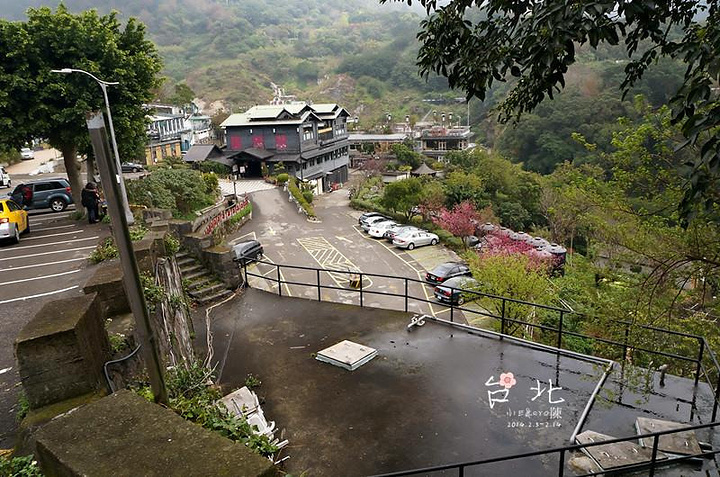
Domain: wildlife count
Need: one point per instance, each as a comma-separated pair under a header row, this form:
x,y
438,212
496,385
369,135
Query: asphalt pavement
x,y
50,262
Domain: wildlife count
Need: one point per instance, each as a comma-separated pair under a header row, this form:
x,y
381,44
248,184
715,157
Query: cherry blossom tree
x,y
460,221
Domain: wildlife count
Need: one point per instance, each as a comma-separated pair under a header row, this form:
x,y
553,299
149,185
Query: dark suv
x,y
45,194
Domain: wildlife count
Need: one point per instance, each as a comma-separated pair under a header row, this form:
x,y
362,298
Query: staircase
x,y
204,288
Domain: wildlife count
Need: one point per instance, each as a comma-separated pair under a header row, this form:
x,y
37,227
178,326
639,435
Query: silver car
x,y
415,238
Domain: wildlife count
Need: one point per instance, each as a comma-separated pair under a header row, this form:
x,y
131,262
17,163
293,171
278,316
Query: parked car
x,y
398,229
248,251
27,153
13,220
367,215
370,221
447,270
457,290
415,238
54,194
4,177
379,228
131,167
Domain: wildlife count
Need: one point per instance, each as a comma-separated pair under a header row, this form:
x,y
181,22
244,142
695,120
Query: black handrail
x,y
573,448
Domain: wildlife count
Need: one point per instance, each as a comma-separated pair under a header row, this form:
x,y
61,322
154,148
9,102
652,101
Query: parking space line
x,y
48,244
55,235
39,278
412,267
48,253
53,228
43,218
22,298
42,264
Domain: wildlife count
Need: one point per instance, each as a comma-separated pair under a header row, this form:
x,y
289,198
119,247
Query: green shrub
x,y
137,232
211,166
172,244
308,196
239,216
23,407
106,250
212,184
19,466
153,293
282,178
252,381
191,397
182,191
295,191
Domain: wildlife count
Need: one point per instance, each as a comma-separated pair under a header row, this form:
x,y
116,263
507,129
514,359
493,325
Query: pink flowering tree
x,y
501,245
460,221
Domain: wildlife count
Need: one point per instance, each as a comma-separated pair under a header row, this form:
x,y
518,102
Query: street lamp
x,y
118,174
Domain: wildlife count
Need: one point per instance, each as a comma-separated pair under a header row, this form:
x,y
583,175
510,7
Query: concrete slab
x,y
612,456
432,396
347,354
680,443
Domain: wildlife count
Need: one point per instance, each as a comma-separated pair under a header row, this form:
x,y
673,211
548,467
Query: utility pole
x,y
116,202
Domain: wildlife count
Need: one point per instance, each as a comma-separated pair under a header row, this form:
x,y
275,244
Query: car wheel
x,y
58,205
411,246
460,300
433,242
135,169
16,236
27,226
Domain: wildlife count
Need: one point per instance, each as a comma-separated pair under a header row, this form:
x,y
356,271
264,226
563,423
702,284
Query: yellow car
x,y
13,220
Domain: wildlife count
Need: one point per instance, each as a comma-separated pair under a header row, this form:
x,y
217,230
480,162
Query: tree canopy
x,y
36,103
475,43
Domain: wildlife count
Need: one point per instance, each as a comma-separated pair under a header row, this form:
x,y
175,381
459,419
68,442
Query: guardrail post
x,y
318,284
452,309
502,318
247,284
278,280
625,343
461,471
699,361
560,330
653,459
561,464
406,294
717,397
361,290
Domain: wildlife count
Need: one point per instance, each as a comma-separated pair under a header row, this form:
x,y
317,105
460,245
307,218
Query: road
x,y
50,262
337,243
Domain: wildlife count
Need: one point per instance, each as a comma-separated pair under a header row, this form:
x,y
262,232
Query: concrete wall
x,y
125,435
61,351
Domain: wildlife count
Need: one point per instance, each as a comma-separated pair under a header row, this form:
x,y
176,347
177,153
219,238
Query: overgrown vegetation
x,y
153,292
193,396
107,250
179,190
300,198
25,466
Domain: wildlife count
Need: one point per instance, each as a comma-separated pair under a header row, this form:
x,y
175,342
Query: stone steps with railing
x,y
201,285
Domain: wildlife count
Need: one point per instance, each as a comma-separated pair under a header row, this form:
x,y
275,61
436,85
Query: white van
x,y
4,178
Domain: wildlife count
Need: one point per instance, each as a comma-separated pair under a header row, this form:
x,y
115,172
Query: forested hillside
x,y
362,55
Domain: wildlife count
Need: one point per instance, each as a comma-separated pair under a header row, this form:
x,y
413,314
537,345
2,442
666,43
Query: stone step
x,y
197,274
184,260
207,291
182,254
191,267
216,297
203,282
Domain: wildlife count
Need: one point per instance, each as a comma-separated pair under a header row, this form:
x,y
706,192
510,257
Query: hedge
x,y
309,210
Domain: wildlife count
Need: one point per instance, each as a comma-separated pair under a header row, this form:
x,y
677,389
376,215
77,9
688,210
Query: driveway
x,y
50,262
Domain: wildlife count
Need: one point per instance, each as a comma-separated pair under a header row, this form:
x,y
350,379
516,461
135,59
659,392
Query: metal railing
x,y
635,339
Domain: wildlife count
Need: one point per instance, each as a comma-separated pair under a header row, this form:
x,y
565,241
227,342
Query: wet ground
x,y
424,400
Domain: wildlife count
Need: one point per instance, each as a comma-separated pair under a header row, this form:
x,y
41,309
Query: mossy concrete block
x,y
125,435
107,282
61,351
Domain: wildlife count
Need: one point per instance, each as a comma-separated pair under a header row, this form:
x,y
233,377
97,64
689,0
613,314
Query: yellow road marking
x,y
328,257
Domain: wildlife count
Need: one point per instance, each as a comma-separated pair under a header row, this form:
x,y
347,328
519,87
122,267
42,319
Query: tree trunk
x,y
73,172
90,167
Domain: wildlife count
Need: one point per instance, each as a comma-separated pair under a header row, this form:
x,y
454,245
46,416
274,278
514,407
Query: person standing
x,y
90,200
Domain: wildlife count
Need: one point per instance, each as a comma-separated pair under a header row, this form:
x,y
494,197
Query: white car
x,y
27,153
378,229
415,238
4,177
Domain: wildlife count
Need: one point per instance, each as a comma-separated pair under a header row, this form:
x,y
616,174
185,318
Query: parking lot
x,y
49,262
337,243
